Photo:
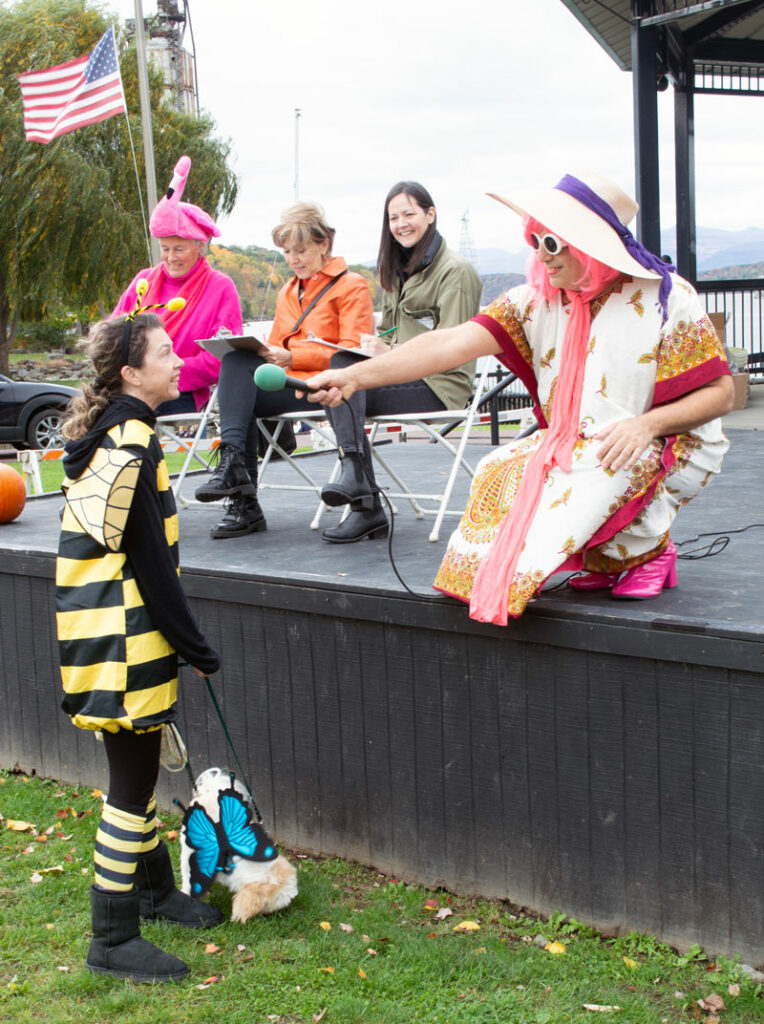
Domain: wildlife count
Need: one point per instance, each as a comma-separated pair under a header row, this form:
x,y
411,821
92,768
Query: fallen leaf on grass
x,y
430,904
596,1008
361,973
64,968
49,927
210,981
712,1003
555,947
733,990
35,877
480,949
28,849
347,928
320,1016
19,826
241,947
443,913
325,926
630,963
41,839
371,952
327,970
467,926
211,948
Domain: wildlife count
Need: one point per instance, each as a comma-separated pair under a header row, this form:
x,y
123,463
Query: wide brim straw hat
x,y
581,227
172,217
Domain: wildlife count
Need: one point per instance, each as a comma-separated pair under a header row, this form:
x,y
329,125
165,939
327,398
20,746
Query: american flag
x,y
68,96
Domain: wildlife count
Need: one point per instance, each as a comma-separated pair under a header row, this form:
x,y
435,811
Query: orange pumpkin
x,y
13,494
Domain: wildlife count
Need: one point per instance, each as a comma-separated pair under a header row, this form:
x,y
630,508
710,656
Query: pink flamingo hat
x,y
171,217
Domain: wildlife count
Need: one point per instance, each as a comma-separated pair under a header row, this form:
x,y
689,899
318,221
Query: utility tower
x,y
165,31
466,248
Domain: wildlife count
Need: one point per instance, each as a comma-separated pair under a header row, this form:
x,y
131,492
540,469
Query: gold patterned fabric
x,y
611,520
118,670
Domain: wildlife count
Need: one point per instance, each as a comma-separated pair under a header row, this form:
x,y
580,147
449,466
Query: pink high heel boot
x,y
594,581
648,580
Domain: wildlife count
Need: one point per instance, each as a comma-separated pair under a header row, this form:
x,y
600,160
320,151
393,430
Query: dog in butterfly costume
x,y
221,842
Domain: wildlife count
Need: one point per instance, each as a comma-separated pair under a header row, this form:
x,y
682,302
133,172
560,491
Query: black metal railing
x,y
740,303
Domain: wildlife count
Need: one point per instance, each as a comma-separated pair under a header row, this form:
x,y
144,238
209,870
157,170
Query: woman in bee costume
x,y
123,620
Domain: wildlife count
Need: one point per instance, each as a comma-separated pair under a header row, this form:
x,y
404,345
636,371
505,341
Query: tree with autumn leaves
x,y
71,228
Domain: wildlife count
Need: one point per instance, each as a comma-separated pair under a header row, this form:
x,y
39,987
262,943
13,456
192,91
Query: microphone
x,y
270,377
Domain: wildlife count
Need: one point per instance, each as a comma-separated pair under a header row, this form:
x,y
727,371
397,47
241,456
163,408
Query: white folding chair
x,y
198,446
432,423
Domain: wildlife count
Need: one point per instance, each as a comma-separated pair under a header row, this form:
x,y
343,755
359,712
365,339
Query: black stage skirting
x,y
599,757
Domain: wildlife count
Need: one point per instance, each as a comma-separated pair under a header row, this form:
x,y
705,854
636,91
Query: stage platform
x,y
600,757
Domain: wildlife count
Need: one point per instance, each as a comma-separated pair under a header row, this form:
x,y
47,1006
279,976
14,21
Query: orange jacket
x,y
340,316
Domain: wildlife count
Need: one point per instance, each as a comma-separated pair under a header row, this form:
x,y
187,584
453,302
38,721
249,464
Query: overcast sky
x,y
466,97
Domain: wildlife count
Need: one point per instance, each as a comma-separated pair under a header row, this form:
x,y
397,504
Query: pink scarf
x,y
493,580
193,290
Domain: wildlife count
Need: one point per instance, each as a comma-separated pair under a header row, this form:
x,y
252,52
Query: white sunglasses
x,y
551,243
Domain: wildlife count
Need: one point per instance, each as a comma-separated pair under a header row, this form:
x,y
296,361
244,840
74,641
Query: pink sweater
x,y
220,307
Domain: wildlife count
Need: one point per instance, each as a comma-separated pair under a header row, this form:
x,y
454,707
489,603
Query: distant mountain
x,y
716,247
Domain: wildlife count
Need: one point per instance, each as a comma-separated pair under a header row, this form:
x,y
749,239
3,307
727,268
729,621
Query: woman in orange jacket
x,y
323,300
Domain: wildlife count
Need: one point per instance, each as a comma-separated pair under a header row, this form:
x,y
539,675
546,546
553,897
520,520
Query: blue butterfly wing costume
x,y
215,843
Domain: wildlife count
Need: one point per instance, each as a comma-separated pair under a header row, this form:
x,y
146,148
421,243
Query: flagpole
x,y
297,112
148,144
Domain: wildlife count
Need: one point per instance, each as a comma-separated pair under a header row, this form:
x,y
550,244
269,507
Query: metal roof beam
x,y
730,51
721,20
654,20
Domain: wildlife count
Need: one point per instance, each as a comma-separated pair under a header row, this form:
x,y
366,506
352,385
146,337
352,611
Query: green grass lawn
x,y
355,947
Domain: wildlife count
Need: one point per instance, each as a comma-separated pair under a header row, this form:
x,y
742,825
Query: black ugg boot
x,y
159,898
367,519
354,482
230,477
117,947
242,516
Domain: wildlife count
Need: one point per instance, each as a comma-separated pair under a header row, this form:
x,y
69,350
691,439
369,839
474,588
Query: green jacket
x,y
444,294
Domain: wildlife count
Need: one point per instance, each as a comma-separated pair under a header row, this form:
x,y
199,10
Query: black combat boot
x,y
242,516
355,481
367,519
230,477
159,898
117,947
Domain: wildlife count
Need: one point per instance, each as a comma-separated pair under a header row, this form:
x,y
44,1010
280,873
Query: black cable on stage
x,y
714,547
376,489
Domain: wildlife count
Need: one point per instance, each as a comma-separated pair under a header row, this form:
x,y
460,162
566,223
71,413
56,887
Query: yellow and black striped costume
x,y
119,671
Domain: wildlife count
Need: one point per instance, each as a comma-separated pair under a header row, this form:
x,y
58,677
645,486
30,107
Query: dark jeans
x,y
133,767
242,403
416,396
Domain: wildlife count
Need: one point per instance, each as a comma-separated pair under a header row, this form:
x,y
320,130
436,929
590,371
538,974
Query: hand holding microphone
x,y
270,377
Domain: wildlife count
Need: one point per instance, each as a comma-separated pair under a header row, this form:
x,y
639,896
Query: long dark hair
x,y
105,351
393,258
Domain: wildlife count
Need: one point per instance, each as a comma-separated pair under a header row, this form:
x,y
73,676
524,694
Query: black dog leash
x,y
242,774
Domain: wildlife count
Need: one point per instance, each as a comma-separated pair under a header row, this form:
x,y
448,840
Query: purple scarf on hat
x,y
579,190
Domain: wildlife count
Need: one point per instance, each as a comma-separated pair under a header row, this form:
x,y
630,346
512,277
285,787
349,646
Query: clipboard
x,y
225,343
339,348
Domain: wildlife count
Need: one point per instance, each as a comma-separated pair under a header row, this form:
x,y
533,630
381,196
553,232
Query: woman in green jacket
x,y
427,286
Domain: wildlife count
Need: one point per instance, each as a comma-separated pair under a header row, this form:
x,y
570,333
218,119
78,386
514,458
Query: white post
x,y
148,143
297,112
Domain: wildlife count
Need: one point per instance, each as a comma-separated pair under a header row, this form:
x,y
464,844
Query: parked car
x,y
31,412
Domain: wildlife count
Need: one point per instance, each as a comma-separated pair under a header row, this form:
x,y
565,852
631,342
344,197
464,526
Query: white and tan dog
x,y
262,882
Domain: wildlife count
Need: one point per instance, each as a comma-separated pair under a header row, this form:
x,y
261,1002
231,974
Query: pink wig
x,y
594,279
